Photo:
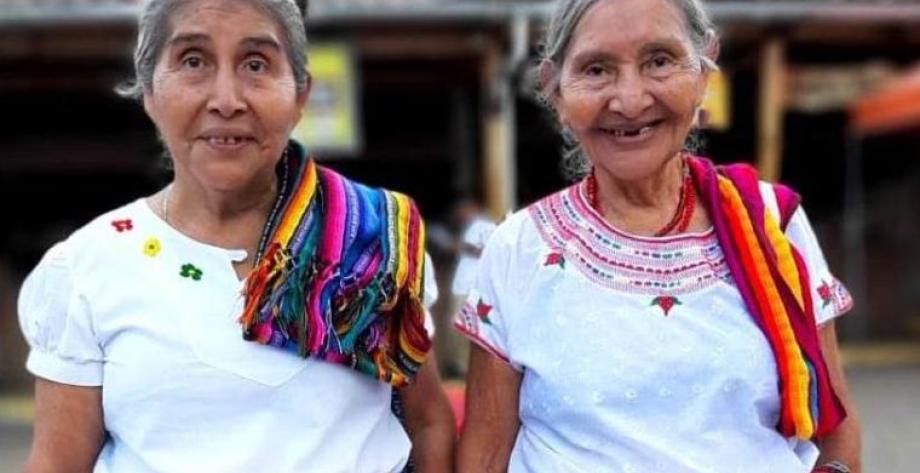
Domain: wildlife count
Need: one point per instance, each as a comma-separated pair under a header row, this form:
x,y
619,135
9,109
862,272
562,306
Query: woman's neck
x,y
228,219
641,206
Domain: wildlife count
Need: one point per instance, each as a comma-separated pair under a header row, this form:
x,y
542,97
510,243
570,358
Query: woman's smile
x,y
228,139
631,134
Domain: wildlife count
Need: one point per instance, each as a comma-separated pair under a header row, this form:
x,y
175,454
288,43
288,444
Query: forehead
x,y
622,26
210,18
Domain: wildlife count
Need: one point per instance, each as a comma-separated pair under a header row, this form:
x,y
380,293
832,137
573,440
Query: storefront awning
x,y
894,107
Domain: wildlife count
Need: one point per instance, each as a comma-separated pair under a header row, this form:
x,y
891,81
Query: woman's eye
x,y
192,62
256,65
594,70
660,62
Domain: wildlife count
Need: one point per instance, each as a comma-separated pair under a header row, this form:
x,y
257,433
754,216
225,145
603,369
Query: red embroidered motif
x,y
666,303
824,291
482,310
555,258
123,225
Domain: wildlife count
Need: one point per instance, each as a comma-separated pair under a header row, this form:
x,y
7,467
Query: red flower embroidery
x,y
555,258
666,303
123,225
824,291
482,310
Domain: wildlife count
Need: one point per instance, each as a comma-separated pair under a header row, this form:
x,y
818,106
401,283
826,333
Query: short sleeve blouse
x,y
637,354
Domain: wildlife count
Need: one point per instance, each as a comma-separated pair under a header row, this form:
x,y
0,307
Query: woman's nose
x,y
226,98
630,96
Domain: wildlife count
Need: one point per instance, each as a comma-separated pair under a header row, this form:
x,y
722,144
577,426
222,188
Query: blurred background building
x,y
436,98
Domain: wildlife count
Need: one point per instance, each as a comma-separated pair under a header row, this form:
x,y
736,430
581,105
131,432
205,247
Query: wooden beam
x,y
421,45
772,106
499,174
66,44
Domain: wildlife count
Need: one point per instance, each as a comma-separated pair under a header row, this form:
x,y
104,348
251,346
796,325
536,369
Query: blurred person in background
x,y
662,313
474,228
256,313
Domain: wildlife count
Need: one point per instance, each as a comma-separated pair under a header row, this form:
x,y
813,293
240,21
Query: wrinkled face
x,y
224,97
630,85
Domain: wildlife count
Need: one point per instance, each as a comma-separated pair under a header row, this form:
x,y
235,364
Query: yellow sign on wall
x,y
717,104
331,122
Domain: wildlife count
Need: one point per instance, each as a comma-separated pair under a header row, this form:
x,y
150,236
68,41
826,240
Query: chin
x,y
226,178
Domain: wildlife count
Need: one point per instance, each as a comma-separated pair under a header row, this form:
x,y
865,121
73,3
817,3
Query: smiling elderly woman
x,y
147,357
662,314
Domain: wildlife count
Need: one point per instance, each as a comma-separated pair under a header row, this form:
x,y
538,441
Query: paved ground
x,y
14,445
889,404
889,401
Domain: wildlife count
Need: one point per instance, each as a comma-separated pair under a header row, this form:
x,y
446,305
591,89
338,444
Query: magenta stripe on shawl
x,y
330,248
329,253
788,202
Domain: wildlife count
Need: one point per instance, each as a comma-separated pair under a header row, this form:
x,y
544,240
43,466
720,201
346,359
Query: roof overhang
x,y
724,12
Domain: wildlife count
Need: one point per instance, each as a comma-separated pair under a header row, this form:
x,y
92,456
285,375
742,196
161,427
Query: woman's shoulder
x,y
520,229
111,223
100,234
513,229
55,312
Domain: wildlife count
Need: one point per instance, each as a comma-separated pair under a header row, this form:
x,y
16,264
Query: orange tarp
x,y
894,107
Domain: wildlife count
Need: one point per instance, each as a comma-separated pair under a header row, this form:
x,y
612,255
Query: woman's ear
x,y
303,96
149,105
713,46
546,74
709,65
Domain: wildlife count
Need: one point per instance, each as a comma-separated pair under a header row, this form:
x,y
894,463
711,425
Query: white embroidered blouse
x,y
132,305
637,354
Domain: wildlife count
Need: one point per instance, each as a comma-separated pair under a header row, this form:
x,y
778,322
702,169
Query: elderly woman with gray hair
x,y
254,315
662,314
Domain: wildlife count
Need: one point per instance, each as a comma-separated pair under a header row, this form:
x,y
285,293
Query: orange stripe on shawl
x,y
768,298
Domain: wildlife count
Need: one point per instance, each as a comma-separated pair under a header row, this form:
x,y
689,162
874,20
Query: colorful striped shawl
x,y
339,274
773,281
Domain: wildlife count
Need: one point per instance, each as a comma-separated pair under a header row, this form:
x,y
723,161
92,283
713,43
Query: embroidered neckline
x,y
675,265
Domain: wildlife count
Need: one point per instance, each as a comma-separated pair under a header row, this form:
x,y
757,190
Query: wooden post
x,y
772,105
499,173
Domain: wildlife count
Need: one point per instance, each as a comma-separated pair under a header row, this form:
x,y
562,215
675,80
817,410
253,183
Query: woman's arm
x,y
68,431
492,421
845,444
429,421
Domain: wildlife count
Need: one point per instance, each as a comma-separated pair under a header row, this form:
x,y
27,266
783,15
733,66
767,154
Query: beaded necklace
x,y
686,206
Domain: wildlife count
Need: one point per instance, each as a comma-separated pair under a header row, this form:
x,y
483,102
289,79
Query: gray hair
x,y
155,28
554,47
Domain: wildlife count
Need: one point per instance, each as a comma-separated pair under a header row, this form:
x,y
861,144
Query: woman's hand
x,y
492,392
845,444
429,421
68,431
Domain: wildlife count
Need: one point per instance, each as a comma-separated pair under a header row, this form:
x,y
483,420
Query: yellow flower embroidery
x,y
152,247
